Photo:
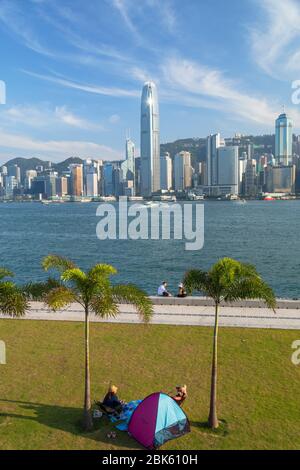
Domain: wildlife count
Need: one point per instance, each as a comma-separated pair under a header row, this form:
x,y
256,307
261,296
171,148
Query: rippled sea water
x,y
266,234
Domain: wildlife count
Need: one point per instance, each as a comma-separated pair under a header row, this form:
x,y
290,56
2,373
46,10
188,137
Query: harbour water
x,y
266,234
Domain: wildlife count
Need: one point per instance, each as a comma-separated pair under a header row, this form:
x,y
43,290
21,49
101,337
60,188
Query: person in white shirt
x,y
162,290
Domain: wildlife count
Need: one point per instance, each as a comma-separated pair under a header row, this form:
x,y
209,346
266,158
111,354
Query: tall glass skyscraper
x,y
284,140
150,142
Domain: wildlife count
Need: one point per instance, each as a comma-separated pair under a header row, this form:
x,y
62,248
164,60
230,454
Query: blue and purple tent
x,y
156,420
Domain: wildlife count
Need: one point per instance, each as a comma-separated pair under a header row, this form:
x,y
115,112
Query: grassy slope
x,y
41,387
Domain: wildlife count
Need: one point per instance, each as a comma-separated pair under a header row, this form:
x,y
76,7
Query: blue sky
x,y
74,70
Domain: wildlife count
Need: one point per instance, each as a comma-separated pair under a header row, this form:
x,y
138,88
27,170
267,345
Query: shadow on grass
x,y
69,419
222,430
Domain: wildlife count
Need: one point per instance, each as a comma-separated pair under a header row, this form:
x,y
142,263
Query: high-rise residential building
x,y
150,140
77,179
283,140
228,170
213,143
183,171
166,172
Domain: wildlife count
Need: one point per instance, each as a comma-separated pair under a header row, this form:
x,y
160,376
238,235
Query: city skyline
x,y
73,76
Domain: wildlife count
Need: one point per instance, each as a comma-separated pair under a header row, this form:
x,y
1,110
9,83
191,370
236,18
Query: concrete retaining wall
x,y
207,302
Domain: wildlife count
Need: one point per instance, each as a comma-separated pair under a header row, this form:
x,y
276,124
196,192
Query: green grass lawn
x,y
41,387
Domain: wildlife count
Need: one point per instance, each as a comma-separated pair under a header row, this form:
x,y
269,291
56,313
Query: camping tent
x,y
157,420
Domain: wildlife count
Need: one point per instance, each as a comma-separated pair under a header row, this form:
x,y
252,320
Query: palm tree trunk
x,y
213,419
87,415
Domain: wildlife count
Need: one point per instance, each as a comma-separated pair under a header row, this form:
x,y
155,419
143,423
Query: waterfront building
x,y
38,186
150,140
108,179
62,186
183,171
77,179
242,171
166,172
213,143
92,183
284,179
228,170
283,140
250,178
128,166
50,185
11,186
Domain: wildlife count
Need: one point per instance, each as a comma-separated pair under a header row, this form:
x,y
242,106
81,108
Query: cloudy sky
x,y
74,71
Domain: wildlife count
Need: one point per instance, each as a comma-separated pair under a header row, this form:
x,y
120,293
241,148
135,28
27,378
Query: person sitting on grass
x,y
111,403
181,394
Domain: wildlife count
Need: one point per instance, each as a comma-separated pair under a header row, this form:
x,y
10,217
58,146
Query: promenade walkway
x,y
190,311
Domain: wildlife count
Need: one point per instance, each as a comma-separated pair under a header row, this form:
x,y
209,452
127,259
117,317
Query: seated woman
x,y
181,394
111,400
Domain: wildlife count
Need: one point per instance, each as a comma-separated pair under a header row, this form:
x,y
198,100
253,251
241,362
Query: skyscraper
x,y
166,171
213,142
183,171
128,165
150,142
228,161
77,179
284,140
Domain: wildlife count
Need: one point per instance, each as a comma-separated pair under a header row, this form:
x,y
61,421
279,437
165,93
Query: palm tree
x,y
13,301
95,293
228,280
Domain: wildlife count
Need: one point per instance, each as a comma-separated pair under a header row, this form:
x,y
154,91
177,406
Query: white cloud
x,y
193,84
275,39
13,19
55,149
99,90
67,117
45,116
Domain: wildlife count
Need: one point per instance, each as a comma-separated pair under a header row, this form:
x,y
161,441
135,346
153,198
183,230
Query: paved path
x,y
201,315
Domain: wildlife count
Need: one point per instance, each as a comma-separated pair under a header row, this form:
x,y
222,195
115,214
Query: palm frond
x,y
104,305
131,294
196,280
101,271
57,262
13,302
37,290
5,273
75,275
59,297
